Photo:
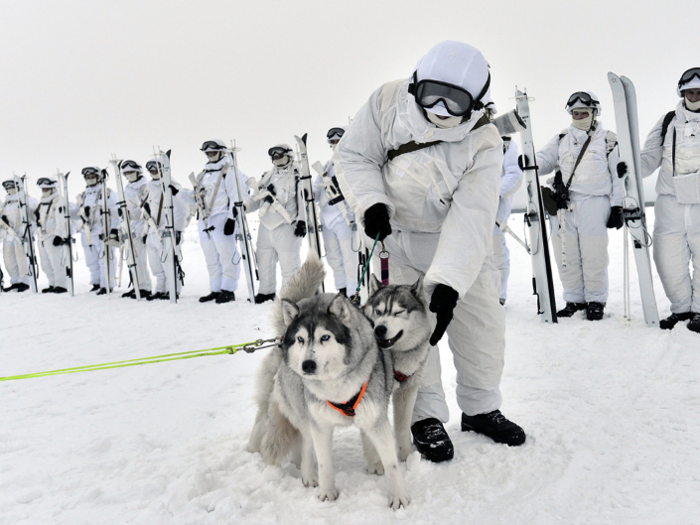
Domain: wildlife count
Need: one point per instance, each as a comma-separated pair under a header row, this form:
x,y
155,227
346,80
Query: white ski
x,y
126,228
68,242
106,226
27,233
245,240
542,280
169,234
625,102
312,224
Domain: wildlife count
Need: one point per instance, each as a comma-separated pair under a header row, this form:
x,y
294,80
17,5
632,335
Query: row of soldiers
x,y
98,215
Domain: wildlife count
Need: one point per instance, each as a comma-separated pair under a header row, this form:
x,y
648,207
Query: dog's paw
x,y
396,501
310,481
376,468
404,452
328,495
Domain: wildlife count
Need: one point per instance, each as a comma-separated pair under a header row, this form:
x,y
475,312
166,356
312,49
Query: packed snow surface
x,y
611,409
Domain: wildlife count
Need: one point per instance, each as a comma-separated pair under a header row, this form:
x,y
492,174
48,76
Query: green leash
x,y
220,350
364,270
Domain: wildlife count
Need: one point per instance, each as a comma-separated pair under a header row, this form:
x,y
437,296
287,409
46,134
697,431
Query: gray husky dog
x,y
402,326
328,372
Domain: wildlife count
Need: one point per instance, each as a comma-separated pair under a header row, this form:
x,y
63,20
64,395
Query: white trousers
x,y
343,260
156,260
676,248
585,277
54,262
276,245
221,254
476,335
141,259
95,259
15,262
501,259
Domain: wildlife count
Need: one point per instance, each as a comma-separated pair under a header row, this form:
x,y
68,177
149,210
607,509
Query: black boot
x,y
570,309
432,440
694,324
103,291
21,287
225,297
50,289
145,294
60,289
211,297
131,294
595,311
673,319
262,297
95,288
343,291
496,426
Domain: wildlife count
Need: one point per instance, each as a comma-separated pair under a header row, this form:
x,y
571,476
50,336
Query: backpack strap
x,y
664,125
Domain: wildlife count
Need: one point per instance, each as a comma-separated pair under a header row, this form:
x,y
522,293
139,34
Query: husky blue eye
x,y
300,339
325,337
377,312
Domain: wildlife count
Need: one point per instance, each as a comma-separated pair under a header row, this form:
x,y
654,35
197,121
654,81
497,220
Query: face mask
x,y
692,106
281,162
443,123
46,192
131,176
12,191
155,175
584,123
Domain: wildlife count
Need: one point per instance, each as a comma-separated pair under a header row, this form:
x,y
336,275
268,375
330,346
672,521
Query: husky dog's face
x,y
317,343
399,314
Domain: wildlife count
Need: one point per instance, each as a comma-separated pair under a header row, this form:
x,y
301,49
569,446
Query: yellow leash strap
x,y
231,349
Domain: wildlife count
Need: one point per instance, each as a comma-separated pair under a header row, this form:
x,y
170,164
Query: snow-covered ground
x,y
612,412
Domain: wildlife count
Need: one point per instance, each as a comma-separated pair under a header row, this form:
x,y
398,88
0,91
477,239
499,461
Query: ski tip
x,y
303,137
167,153
612,77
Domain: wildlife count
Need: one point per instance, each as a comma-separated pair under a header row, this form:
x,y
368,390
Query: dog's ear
x,y
417,287
290,311
339,307
374,284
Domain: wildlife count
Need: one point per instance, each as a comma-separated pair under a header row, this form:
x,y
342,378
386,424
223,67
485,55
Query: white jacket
x,y
595,175
288,204
451,188
50,217
330,213
156,203
134,194
227,190
12,211
92,198
511,179
655,154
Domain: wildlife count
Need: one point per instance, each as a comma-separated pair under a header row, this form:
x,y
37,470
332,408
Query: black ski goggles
x,y
584,98
90,172
9,184
210,145
43,181
153,166
277,152
457,101
335,132
130,165
688,76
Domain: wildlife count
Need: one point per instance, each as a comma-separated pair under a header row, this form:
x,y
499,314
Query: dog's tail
x,y
304,284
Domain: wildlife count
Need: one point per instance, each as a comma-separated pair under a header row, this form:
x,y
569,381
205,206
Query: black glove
x,y
147,208
57,241
269,199
442,303
523,161
234,210
300,230
145,238
173,190
4,219
229,227
615,220
114,234
178,236
87,212
621,169
271,189
377,222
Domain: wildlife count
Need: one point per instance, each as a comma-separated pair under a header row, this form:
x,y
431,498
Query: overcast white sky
x,y
82,79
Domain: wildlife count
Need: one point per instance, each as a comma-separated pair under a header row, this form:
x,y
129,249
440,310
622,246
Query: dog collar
x,y
348,408
400,377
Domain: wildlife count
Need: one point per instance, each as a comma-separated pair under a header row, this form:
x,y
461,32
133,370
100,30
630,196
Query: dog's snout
x,y
380,331
309,366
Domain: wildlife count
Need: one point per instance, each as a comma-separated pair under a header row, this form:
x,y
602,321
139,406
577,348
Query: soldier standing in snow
x,y
674,144
337,223
52,236
135,194
11,228
421,165
589,187
153,211
215,194
282,224
93,238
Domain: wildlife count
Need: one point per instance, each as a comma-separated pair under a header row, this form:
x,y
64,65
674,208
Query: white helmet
x,y
213,145
689,80
583,99
451,80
